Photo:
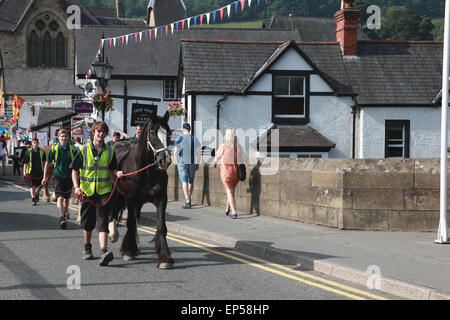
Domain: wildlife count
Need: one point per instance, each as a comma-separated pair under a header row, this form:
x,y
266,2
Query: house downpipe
x,y
218,119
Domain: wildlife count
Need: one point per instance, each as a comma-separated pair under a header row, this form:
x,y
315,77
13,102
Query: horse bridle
x,y
155,151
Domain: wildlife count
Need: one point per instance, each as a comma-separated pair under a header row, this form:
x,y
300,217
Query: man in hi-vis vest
x,y
33,169
61,155
93,165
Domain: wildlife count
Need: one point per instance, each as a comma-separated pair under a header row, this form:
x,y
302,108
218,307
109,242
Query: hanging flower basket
x,y
103,101
176,109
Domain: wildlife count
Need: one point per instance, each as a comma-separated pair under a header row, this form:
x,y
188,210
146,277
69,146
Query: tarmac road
x,y
40,261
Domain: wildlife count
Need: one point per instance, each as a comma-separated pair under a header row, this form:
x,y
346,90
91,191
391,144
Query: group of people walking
x,y
88,169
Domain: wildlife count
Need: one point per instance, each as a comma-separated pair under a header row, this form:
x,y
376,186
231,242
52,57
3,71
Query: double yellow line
x,y
275,268
303,277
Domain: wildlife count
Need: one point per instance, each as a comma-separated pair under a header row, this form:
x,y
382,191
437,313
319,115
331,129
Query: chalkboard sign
x,y
140,113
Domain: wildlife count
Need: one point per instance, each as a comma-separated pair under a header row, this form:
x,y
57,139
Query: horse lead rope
x,y
84,196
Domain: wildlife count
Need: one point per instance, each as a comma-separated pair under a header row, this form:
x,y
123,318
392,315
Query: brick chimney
x,y
119,9
347,27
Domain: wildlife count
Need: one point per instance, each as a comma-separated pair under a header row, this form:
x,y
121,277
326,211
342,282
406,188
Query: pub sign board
x,y
84,107
140,113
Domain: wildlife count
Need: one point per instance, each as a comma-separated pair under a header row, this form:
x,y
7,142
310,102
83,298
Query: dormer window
x,y
46,44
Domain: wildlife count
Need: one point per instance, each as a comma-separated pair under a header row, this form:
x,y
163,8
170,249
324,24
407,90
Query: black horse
x,y
149,185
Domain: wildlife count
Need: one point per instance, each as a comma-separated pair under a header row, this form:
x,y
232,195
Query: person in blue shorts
x,y
187,154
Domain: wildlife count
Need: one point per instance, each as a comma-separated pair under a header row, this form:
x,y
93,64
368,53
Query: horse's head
x,y
157,135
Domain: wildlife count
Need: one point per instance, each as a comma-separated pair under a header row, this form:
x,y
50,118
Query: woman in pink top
x,y
232,154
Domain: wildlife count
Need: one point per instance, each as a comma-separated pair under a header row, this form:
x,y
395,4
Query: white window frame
x,y
291,116
165,88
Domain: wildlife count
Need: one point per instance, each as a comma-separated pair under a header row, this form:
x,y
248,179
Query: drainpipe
x,y
218,119
354,112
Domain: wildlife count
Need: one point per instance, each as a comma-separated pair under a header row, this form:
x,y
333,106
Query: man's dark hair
x,y
100,126
116,134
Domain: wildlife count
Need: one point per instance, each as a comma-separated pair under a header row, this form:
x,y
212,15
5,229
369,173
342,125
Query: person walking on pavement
x,y
232,154
33,169
93,165
16,163
61,156
3,153
187,154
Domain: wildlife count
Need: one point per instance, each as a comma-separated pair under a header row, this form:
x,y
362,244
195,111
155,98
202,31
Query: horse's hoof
x,y
127,258
165,265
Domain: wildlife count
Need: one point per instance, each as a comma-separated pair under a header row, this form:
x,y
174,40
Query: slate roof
x,y
309,28
383,73
302,138
12,13
48,116
158,57
167,11
40,82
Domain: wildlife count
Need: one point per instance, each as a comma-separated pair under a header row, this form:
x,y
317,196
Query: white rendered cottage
x,y
343,99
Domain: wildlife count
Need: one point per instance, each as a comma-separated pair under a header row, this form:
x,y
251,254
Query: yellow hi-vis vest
x,y
30,160
94,175
55,151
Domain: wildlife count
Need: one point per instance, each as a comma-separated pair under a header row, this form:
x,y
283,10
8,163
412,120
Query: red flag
x,y
221,14
182,25
110,42
167,29
135,37
123,40
201,19
242,4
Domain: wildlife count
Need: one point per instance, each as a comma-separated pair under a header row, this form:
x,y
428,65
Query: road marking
x,y
275,265
207,247
191,242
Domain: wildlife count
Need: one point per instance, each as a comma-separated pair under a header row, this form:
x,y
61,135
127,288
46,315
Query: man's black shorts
x,y
63,187
35,182
92,216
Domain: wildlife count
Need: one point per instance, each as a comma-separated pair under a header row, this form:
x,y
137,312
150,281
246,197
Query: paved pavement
x,y
408,265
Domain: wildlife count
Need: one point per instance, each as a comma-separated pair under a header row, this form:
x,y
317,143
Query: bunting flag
x,y
2,90
125,40
2,97
17,104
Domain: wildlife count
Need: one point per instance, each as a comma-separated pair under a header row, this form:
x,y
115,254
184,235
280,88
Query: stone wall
x,y
361,194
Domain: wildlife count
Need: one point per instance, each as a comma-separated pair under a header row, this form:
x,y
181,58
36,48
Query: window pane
x,y
395,152
282,86
169,90
289,107
33,49
40,25
395,133
54,26
297,86
60,51
47,50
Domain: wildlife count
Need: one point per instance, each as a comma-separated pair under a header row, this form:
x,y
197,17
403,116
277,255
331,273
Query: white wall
x,y
425,130
138,88
332,117
248,113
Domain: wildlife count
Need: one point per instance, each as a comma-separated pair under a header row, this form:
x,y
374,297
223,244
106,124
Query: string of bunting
x,y
150,34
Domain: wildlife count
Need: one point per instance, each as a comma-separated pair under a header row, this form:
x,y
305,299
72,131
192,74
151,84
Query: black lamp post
x,y
102,71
